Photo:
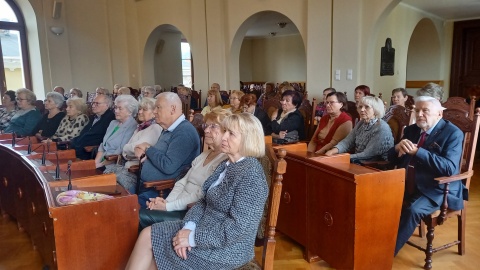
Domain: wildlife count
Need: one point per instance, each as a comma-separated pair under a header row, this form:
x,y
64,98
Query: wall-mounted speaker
x,y
57,9
159,46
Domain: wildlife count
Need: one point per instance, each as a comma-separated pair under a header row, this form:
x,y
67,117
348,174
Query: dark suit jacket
x,y
92,135
439,156
263,117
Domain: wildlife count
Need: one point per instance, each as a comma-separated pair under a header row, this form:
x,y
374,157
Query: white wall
x,y
105,40
274,59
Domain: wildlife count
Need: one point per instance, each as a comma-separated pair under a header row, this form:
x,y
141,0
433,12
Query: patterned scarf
x,y
145,124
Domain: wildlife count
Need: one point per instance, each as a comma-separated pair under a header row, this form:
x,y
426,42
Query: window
x,y
187,67
14,67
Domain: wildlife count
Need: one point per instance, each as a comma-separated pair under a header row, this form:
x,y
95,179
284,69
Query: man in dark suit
x,y
94,131
430,148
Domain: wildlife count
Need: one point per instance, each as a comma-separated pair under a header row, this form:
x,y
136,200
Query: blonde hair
x,y
376,104
29,95
238,93
79,103
217,115
253,142
218,98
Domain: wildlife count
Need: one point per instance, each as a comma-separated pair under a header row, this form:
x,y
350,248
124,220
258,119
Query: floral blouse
x,y
5,117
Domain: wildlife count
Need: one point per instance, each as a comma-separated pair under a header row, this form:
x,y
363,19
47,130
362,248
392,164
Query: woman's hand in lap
x,y
180,243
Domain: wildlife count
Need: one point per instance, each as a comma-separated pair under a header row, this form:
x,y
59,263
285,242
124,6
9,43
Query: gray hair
x,y
376,104
57,98
29,95
130,102
171,98
78,91
436,103
149,89
158,88
147,102
79,103
108,100
102,90
431,90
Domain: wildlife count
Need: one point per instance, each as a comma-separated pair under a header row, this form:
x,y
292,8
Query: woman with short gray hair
x,y
27,117
119,131
371,138
431,90
51,120
148,131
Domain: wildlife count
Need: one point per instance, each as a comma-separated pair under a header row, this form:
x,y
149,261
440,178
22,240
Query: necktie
x,y
410,179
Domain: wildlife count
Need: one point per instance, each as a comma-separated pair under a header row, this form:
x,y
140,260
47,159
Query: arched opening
x,y
167,59
269,47
424,53
14,67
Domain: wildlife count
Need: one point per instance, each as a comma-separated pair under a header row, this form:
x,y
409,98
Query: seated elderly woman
x,y
249,104
371,138
74,122
101,91
27,116
287,124
50,121
147,131
399,96
213,100
119,131
334,126
148,92
75,92
189,188
234,98
8,110
219,231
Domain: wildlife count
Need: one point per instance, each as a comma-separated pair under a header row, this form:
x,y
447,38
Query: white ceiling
x,y
444,9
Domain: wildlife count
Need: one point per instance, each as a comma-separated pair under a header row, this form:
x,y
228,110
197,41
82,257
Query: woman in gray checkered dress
x,y
219,231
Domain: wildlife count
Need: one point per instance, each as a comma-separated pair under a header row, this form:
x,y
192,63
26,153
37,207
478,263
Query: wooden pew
x,y
346,214
92,235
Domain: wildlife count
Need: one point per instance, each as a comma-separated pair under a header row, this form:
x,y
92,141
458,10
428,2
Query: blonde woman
x,y
235,98
214,100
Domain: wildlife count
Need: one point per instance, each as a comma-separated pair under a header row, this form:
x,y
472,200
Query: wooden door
x,y
465,71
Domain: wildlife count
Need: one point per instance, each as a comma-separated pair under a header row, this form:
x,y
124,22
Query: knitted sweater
x,y
370,142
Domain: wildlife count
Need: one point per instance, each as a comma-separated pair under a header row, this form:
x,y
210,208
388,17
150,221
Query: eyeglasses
x,y
331,102
97,103
211,126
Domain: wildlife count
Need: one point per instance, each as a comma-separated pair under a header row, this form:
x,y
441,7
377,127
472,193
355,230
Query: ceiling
x,y
444,9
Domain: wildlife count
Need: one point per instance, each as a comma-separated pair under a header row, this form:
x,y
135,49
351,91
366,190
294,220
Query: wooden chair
x,y
397,118
186,104
352,111
470,129
197,95
308,112
460,103
275,166
271,105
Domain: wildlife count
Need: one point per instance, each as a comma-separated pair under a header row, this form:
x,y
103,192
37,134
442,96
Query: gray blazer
x,y
112,144
227,217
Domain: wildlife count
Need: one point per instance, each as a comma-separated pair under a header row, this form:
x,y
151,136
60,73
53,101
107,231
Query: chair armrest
x,y
134,168
90,148
112,158
160,184
379,165
449,179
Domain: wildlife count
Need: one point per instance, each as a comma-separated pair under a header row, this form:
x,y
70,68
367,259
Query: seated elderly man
x,y
174,151
96,128
430,148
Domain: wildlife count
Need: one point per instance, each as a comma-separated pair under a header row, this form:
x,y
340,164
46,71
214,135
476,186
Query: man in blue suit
x,y
430,148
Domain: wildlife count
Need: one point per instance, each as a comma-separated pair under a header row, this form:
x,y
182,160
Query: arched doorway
x,y
167,58
424,54
269,47
14,67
